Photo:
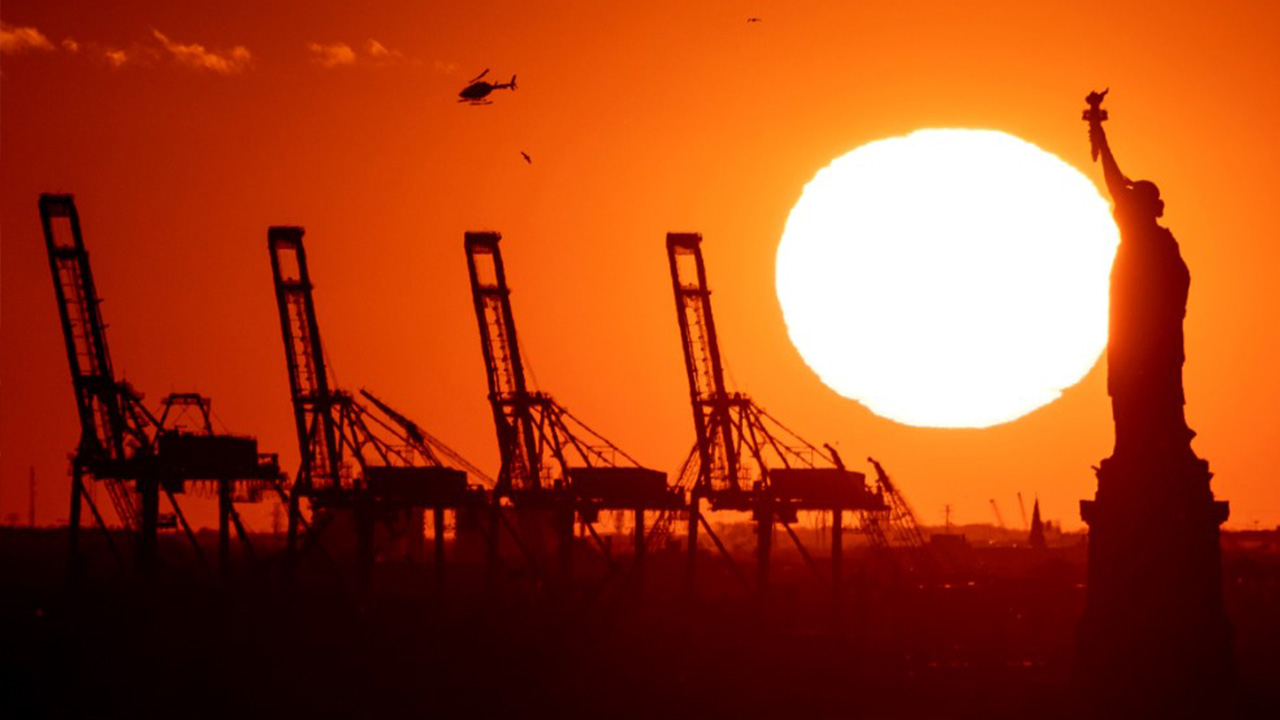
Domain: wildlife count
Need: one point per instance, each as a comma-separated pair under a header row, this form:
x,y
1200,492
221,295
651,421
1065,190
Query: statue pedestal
x,y
1154,636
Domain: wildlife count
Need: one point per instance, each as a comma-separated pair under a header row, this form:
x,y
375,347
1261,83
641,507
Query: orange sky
x,y
640,118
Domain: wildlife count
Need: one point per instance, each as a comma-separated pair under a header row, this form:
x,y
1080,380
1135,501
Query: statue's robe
x,y
1149,284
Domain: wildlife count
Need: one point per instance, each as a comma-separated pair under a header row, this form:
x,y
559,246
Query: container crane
x,y
123,445
369,467
995,510
744,459
554,467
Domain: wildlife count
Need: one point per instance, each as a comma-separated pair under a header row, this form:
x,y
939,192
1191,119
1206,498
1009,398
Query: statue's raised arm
x,y
1117,183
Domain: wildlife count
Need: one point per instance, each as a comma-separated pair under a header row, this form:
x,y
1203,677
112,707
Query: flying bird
x,y
526,157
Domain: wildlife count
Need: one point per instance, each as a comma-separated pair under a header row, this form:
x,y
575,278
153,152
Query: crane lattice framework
x,y
123,445
743,458
898,528
551,461
376,467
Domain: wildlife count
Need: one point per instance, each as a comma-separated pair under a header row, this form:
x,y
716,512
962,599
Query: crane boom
x,y
509,397
112,422
313,401
97,396
718,453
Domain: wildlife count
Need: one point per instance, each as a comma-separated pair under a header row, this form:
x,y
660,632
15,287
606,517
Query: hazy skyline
x,y
184,134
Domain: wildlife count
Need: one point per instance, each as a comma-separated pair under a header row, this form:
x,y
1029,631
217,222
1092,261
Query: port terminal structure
x,y
556,471
137,455
370,470
369,475
743,458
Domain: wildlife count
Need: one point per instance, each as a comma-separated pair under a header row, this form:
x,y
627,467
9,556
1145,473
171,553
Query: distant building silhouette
x,y
1037,529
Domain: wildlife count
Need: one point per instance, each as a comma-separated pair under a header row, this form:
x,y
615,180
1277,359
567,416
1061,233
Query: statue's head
x,y
1144,199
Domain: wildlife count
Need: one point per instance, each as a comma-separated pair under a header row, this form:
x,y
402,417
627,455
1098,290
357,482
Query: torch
x,y
1094,116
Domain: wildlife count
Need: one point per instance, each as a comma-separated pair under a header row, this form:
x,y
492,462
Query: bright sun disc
x,y
949,278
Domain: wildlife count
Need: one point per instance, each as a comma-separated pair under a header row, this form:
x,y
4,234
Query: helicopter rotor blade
x,y
474,79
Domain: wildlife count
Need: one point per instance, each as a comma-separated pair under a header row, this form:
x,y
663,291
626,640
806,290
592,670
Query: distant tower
x,y
31,498
1154,639
1037,528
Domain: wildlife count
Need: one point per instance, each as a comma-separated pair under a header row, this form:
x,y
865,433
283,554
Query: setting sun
x,y
949,278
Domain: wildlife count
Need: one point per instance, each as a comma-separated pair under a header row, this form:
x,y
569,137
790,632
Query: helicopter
x,y
476,92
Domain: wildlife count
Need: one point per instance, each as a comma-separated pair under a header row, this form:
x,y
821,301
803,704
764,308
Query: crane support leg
x,y
724,551
494,536
224,530
186,529
415,534
149,492
638,541
73,528
603,549
243,535
804,553
437,529
764,545
564,521
291,546
102,525
691,551
364,545
837,552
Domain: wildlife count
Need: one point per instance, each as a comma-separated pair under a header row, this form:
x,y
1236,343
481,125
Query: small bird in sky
x,y
526,157
753,19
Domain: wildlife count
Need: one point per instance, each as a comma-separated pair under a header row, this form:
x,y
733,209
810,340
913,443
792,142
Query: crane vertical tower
x,y
551,461
104,406
315,421
512,404
122,444
376,468
745,459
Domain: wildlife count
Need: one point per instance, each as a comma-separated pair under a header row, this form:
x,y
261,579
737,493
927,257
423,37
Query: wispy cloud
x,y
14,40
21,39
196,56
372,52
381,53
333,54
237,59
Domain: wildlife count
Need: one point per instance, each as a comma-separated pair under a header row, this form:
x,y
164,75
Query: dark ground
x,y
992,639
